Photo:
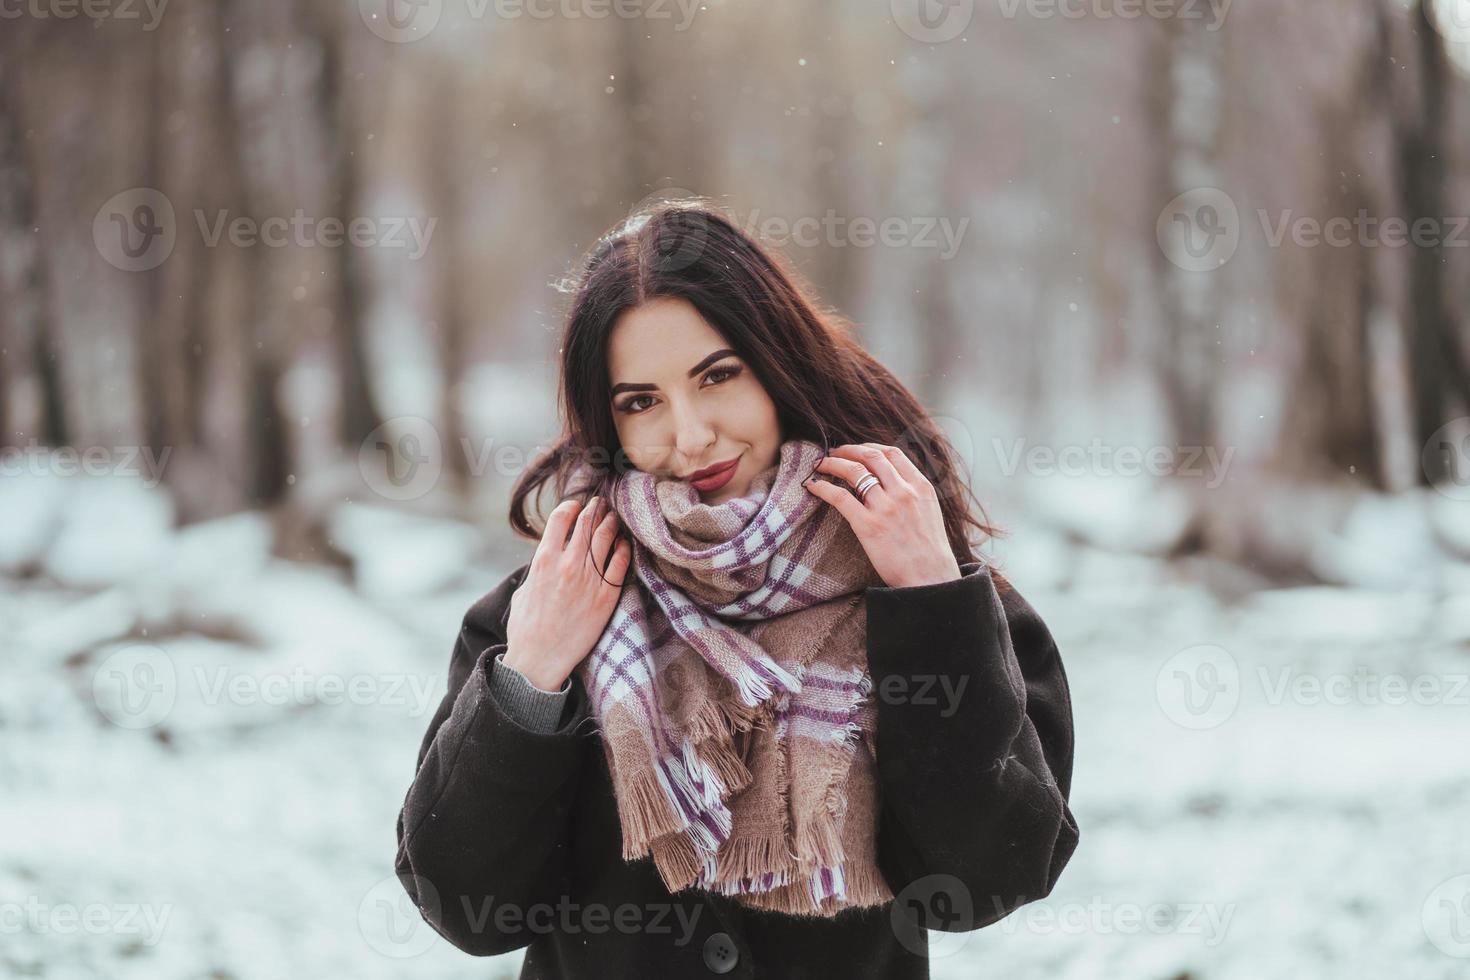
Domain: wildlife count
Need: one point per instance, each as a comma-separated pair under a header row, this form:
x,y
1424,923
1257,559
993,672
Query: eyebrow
x,y
629,386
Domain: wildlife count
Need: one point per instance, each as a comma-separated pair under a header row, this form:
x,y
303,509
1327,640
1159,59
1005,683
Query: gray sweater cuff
x,y
527,705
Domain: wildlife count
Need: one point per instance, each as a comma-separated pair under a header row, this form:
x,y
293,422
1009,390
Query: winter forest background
x,y
251,476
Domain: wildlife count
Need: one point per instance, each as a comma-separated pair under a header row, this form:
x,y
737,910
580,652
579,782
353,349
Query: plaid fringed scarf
x,y
731,688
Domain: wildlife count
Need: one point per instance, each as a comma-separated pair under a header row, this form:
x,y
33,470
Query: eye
x,y
722,373
631,405
715,375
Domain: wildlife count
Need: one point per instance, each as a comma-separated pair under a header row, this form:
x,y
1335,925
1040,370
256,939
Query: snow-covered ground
x,y
206,748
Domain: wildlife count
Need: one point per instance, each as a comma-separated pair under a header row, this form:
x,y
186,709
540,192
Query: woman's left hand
x,y
899,523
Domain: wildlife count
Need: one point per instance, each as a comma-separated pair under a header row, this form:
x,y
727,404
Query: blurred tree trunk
x,y
445,154
247,61
28,321
1437,365
1186,110
156,341
341,110
1330,426
639,148
209,289
923,190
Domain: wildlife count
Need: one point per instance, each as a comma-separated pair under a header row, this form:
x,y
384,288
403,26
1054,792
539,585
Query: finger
x,y
842,467
617,568
905,466
582,529
847,505
557,524
884,467
871,456
603,537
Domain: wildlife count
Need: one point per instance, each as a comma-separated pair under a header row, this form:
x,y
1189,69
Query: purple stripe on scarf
x,y
816,680
783,585
807,711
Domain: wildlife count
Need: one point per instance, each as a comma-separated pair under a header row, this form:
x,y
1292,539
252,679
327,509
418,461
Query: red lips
x,y
713,477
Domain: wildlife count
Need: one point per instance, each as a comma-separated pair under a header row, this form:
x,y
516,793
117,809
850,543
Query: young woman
x,y
755,706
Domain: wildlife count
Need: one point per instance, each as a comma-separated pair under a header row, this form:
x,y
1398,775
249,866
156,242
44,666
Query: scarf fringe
x,y
866,885
701,778
744,859
678,862
646,811
757,682
820,841
721,758
861,886
721,717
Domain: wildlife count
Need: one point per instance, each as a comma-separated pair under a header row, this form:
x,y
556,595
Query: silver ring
x,y
864,485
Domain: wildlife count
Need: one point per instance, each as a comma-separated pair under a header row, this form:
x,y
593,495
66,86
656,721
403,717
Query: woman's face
x,y
683,401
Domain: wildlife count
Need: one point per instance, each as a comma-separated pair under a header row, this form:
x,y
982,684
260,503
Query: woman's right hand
x,y
563,605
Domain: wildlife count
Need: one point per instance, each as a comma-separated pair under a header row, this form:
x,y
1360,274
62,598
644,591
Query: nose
x,y
693,434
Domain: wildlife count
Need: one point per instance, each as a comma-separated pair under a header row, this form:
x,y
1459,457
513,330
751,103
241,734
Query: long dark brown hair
x,y
826,387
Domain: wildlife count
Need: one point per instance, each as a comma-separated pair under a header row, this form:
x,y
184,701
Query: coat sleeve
x,y
484,832
973,749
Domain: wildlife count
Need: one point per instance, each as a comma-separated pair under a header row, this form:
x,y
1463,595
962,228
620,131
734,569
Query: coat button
x,y
720,954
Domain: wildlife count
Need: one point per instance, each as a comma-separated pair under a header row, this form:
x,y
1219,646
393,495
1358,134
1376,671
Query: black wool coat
x,y
510,839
